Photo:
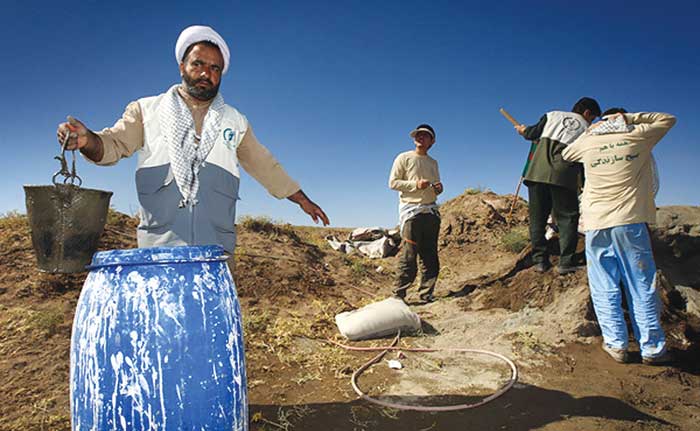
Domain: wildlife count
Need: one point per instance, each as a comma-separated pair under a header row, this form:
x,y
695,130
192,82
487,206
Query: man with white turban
x,y
189,144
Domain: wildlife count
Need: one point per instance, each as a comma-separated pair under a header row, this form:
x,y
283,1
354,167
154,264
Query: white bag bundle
x,y
377,320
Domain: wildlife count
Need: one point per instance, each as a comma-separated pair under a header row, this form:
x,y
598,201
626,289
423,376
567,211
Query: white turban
x,y
200,33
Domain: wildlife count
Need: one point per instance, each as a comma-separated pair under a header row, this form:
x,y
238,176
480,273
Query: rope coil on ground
x,y
385,349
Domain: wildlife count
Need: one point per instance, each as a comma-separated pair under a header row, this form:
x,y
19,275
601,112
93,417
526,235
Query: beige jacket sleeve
x,y
651,125
124,138
262,165
397,177
572,152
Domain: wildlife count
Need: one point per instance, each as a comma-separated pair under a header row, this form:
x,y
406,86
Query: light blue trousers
x,y
623,253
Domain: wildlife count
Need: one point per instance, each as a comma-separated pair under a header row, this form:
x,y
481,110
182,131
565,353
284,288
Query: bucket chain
x,y
69,177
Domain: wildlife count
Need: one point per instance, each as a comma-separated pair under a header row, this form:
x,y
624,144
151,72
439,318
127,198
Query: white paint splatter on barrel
x,y
157,343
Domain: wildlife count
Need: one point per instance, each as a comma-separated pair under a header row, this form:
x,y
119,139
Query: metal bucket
x,y
157,343
66,223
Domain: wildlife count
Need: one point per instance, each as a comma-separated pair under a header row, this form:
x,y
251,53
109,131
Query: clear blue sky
x,y
332,88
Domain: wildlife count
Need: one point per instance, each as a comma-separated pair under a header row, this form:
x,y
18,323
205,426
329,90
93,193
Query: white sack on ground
x,y
378,319
376,249
373,242
367,233
338,245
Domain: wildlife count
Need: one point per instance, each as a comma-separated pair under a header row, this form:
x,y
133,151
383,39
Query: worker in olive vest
x,y
553,183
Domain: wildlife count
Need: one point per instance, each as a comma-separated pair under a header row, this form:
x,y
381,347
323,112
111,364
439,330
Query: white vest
x,y
212,220
564,127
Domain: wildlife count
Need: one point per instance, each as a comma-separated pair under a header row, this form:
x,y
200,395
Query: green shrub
x,y
475,190
49,320
256,223
113,215
515,240
264,224
359,268
12,219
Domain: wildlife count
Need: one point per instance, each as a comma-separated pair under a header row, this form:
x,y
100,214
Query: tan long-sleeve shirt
x,y
619,179
126,137
408,168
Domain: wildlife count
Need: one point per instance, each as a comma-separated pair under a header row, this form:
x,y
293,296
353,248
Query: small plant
x,y
256,322
48,320
359,269
285,417
475,190
256,223
264,224
445,272
113,216
306,377
357,414
11,218
515,240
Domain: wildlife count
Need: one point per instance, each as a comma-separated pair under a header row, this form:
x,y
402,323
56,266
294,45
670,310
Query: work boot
x,y
568,269
619,355
427,297
658,360
542,266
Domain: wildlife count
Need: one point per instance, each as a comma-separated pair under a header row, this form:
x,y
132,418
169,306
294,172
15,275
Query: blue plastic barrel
x,y
157,343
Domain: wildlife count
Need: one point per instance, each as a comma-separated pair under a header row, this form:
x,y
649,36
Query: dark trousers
x,y
562,203
419,238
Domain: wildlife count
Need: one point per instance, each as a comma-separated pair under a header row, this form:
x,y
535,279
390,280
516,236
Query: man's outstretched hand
x,y
80,138
78,134
309,207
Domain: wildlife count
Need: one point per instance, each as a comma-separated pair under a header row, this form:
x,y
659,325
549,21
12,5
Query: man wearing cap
x,y
553,183
189,144
416,177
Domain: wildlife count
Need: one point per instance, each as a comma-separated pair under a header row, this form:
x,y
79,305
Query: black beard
x,y
203,94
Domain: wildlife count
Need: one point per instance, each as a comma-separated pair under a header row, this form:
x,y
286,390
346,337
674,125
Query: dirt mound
x,y
479,217
529,288
677,244
478,237
519,288
272,261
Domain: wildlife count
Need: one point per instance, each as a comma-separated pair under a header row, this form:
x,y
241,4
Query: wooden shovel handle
x,y
508,117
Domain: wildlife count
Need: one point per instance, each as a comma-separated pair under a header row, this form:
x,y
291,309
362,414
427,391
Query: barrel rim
x,y
158,256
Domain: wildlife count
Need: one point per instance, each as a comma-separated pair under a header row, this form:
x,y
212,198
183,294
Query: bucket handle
x,y
68,176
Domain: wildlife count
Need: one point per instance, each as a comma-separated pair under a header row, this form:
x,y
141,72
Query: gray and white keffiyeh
x,y
611,125
186,155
